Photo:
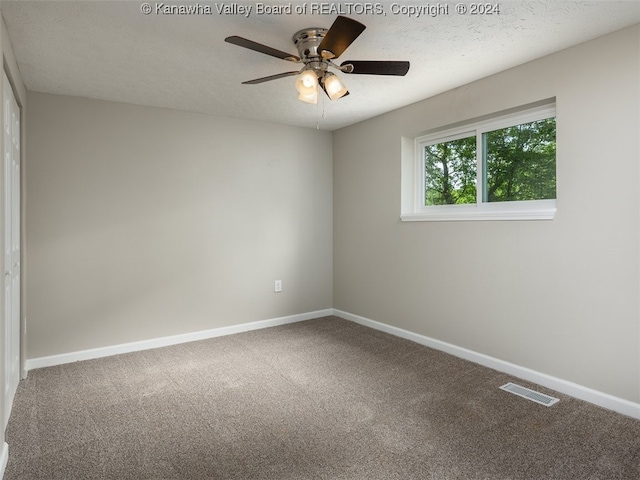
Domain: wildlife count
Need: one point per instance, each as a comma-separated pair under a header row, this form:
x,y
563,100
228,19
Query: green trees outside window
x,y
519,163
450,172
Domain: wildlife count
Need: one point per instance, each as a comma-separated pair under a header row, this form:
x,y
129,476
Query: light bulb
x,y
334,86
307,83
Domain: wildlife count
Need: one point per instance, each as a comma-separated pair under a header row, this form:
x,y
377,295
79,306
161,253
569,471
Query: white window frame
x,y
413,208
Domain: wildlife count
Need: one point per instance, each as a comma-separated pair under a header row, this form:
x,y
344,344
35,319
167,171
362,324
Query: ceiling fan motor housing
x,y
307,42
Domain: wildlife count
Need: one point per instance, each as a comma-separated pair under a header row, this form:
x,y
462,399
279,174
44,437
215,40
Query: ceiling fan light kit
x,y
307,83
317,48
333,86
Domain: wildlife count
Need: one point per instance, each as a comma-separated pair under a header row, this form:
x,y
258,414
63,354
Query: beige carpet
x,y
321,399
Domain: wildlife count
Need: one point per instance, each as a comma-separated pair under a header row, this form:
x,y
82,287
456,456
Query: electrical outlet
x,y
277,288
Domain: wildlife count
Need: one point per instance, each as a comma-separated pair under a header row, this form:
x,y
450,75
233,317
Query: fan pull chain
x,y
318,114
323,100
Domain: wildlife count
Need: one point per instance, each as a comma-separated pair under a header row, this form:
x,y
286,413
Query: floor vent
x,y
532,395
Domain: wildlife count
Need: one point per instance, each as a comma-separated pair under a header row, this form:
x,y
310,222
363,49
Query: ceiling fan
x,y
317,48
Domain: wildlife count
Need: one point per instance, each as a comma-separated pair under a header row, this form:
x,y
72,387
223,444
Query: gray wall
x,y
143,223
560,297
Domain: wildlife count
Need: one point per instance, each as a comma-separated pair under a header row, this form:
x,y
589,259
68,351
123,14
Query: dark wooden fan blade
x,y
267,79
338,38
258,47
377,67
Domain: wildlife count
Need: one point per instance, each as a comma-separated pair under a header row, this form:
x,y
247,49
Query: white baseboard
x,y
4,458
63,358
601,399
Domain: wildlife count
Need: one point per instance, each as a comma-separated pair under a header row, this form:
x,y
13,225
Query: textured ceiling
x,y
110,50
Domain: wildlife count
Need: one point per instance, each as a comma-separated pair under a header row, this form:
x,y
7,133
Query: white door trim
x,y
12,244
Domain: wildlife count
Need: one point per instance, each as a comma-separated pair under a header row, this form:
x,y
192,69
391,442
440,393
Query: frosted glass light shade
x,y
334,86
312,98
307,83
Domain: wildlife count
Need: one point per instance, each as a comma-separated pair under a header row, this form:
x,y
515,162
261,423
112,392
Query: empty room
x,y
320,240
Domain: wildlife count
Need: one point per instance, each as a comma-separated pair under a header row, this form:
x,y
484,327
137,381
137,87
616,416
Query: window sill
x,y
475,214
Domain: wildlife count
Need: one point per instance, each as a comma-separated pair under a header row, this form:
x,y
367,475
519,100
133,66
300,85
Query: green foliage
x,y
520,162
450,172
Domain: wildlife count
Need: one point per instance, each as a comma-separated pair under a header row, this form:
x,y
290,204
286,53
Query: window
x,y
503,168
450,171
